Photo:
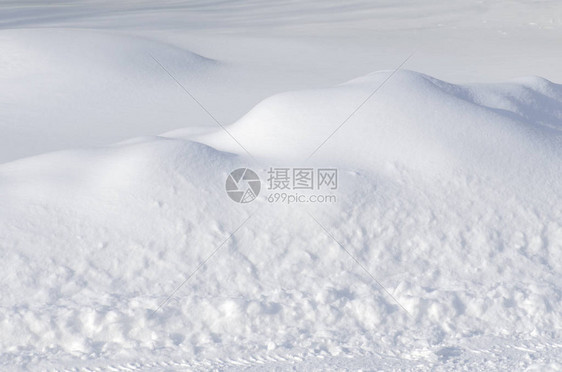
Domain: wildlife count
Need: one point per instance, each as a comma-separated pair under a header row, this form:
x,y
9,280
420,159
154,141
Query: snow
x,y
122,250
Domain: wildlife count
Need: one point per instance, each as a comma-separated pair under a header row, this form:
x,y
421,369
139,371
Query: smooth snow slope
x,y
419,122
64,89
77,74
449,196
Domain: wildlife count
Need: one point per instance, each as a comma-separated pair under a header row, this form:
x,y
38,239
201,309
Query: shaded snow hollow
x,y
450,195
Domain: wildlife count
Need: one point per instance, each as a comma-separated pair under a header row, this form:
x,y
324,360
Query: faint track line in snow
x,y
360,264
360,105
203,107
201,265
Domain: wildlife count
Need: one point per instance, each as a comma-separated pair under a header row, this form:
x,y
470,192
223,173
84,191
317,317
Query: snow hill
x,y
449,196
419,122
58,85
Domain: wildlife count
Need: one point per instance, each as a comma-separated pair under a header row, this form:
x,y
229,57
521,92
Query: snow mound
x,y
57,85
413,121
433,202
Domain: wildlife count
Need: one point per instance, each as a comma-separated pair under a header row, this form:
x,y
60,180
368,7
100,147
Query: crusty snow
x,y
122,251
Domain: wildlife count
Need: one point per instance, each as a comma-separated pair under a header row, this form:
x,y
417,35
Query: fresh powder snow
x,y
439,247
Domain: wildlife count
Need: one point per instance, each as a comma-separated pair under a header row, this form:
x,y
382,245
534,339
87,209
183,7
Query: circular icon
x,y
243,185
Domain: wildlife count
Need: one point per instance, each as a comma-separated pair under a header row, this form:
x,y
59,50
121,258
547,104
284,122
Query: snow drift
x,y
418,122
450,196
63,89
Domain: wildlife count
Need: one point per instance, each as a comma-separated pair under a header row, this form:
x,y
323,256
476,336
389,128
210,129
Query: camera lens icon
x,y
243,185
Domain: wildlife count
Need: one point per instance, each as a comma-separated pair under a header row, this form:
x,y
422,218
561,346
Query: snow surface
x,y
450,194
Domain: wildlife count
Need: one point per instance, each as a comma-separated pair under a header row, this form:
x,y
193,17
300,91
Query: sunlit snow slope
x,y
449,196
